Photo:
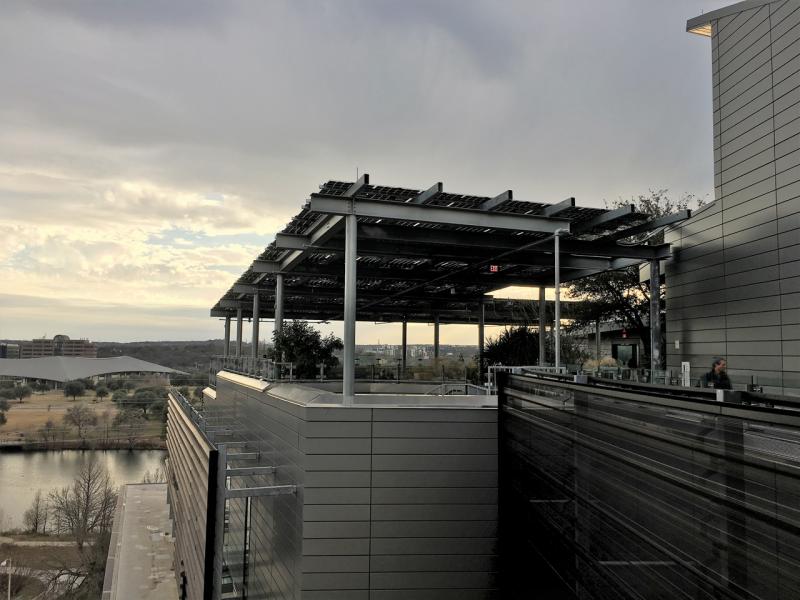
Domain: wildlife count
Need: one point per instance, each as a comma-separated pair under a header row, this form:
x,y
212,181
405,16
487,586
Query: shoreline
x,y
79,445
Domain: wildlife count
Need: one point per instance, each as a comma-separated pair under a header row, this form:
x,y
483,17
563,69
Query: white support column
x,y
542,326
278,301
557,319
655,317
350,264
256,313
239,331
481,323
404,348
219,520
227,349
597,341
436,336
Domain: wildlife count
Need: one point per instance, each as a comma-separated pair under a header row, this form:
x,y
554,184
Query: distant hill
x,y
185,356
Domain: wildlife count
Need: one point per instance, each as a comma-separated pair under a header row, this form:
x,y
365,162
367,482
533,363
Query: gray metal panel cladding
x,y
743,282
392,501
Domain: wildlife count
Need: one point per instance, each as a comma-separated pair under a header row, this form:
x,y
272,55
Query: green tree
x,y
130,425
147,399
74,389
81,417
22,391
513,346
299,343
619,296
101,392
198,392
119,396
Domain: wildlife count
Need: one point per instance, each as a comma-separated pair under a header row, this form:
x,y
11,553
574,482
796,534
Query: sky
x,y
149,150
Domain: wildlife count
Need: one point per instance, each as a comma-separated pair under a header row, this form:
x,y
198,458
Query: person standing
x,y
717,377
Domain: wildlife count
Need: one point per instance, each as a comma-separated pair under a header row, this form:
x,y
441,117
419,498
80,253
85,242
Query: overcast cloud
x,y
149,150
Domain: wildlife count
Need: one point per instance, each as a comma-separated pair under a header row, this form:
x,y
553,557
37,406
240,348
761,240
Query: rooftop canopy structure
x,y
391,254
69,368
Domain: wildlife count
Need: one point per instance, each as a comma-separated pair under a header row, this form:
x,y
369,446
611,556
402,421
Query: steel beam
x,y
279,292
249,471
362,182
404,345
323,229
497,201
291,241
440,253
655,318
350,266
542,325
664,221
436,336
481,326
219,521
428,194
268,490
243,288
239,331
265,266
557,319
227,349
554,209
605,218
335,205
256,322
439,240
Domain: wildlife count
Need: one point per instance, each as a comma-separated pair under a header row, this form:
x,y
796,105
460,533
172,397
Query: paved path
x,y
15,542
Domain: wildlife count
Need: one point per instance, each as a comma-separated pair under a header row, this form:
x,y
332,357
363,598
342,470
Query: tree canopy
x,y
74,389
22,391
81,417
298,342
619,296
513,346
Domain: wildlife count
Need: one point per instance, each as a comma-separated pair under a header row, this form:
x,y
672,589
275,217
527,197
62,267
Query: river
x,y
22,473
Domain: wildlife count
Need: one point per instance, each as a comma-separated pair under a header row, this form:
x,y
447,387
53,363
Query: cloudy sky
x,y
149,150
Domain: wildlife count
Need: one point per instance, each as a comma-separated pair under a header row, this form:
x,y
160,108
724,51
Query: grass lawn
x,y
25,419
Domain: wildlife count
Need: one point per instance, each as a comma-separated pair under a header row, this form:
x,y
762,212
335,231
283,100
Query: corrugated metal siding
x,y
734,290
191,475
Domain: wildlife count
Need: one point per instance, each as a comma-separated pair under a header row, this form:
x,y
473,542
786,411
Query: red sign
x,y
624,333
493,268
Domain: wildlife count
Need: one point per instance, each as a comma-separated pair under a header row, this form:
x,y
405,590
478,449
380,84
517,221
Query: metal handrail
x,y
261,368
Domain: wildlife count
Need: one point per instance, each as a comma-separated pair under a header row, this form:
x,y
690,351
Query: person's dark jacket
x,y
719,381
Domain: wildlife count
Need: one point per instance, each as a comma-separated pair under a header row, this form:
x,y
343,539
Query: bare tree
x,y
84,580
157,475
35,518
87,506
48,431
81,417
130,424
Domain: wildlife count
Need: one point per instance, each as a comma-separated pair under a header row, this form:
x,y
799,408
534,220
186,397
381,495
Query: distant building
x,y
9,350
60,345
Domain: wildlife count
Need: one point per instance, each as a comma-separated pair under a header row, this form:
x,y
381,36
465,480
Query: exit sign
x,y
493,268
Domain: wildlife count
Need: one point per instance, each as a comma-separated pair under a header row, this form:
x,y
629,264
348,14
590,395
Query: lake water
x,y
22,473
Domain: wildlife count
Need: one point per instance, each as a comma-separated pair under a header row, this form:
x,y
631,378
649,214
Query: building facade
x,y
9,350
60,345
733,285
